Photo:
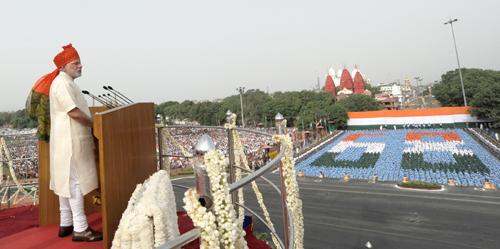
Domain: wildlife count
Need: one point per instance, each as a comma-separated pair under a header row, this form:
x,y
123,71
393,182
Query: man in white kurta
x,y
72,161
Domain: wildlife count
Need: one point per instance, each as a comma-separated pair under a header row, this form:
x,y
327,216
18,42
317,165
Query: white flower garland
x,y
219,226
203,219
150,219
242,160
237,147
293,200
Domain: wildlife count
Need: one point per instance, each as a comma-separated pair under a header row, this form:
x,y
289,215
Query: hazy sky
x,y
202,50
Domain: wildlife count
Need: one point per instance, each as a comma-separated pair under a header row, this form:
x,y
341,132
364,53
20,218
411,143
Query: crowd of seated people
x,y
22,149
179,141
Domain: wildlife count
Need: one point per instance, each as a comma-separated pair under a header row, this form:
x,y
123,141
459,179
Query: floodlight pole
x,y
241,90
450,22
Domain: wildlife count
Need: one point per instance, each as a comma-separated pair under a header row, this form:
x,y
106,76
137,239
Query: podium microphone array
x,y
110,100
118,94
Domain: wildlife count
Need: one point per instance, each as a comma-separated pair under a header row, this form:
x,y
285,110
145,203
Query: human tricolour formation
x,y
434,155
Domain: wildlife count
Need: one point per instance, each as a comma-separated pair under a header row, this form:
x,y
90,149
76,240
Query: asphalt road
x,y
348,215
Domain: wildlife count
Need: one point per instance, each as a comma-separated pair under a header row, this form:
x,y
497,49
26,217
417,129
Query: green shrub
x,y
420,185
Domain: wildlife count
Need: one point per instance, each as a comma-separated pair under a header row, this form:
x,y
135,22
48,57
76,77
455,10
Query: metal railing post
x,y
230,151
160,149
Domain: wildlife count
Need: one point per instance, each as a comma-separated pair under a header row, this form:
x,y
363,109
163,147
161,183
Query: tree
x,y
337,115
487,103
449,90
5,118
373,89
481,90
359,103
20,120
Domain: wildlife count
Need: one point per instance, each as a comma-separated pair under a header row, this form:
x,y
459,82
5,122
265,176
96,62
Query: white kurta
x,y
71,143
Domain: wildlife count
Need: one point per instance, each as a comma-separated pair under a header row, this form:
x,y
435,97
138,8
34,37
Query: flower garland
x,y
293,200
150,219
203,219
241,159
241,199
220,227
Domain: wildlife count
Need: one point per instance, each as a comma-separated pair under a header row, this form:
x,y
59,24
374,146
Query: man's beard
x,y
77,75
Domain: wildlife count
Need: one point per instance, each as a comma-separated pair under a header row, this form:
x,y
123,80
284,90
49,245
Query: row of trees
x,y
302,109
482,90
18,119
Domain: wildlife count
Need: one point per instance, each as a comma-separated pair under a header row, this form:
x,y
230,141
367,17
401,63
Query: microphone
x,y
110,103
108,88
116,100
111,99
128,100
96,98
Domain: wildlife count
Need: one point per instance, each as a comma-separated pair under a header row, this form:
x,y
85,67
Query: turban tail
x,y
37,104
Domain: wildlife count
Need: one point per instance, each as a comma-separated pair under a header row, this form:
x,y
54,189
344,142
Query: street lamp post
x,y
450,22
241,90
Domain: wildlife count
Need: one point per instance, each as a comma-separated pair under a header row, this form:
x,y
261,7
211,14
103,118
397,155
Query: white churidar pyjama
x,y
72,209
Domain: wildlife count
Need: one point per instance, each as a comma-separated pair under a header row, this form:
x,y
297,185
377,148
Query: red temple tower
x,y
330,86
346,80
359,83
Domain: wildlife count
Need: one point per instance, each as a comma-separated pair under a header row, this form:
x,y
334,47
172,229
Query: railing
x,y
317,146
288,229
490,145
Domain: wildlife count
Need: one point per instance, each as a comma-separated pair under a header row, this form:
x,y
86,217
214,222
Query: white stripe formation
x,y
436,119
449,146
370,147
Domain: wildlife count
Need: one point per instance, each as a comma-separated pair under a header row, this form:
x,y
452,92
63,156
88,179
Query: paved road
x,y
347,215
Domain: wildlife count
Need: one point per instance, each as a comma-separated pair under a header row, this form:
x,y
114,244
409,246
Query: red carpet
x,y
46,237
17,219
18,230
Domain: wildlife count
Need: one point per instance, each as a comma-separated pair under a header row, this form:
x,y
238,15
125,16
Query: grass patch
x,y
181,172
420,185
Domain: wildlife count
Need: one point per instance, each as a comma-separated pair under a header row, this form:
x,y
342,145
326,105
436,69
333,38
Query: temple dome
x,y
330,85
346,80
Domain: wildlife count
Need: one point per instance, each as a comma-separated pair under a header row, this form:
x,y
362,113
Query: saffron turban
x,y
37,104
64,57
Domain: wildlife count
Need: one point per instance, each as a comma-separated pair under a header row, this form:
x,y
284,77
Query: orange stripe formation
x,y
355,136
412,113
448,136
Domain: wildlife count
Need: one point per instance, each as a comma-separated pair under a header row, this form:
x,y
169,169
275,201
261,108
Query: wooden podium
x,y
127,157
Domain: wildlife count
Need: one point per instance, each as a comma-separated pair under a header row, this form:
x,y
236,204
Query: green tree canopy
x,y
360,103
302,109
481,90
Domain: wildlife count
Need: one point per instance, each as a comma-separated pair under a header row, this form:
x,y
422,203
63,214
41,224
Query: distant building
x,y
347,82
387,102
390,96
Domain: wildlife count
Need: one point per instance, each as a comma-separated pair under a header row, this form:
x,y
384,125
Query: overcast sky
x,y
202,50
